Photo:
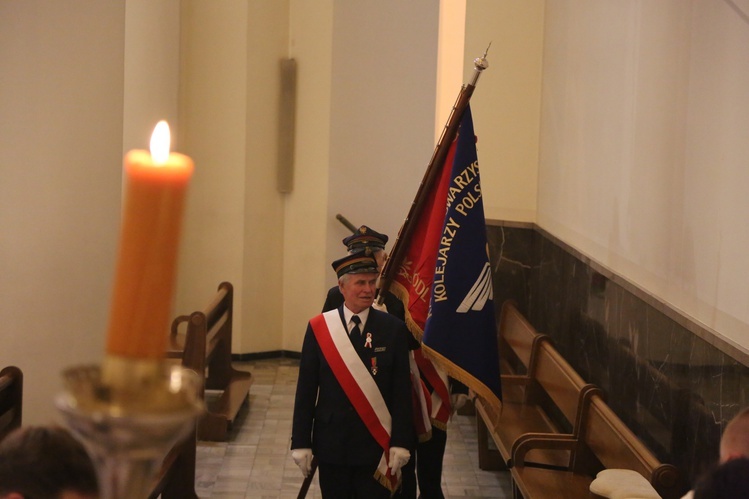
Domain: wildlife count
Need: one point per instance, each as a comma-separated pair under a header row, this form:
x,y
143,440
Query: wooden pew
x,y
541,393
206,348
602,441
177,477
516,340
11,399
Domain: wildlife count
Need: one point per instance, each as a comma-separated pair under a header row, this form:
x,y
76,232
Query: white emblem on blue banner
x,y
480,292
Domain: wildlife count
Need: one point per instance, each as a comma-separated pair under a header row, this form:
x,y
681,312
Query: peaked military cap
x,y
364,238
357,263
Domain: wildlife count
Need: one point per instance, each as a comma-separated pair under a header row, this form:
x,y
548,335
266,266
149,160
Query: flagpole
x,y
400,247
308,480
345,222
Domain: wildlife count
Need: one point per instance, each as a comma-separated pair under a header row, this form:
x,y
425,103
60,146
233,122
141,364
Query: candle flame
x,y
160,141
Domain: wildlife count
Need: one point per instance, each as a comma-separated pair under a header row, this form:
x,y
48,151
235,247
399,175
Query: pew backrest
x,y
208,336
602,442
614,445
517,339
542,394
206,347
560,382
545,367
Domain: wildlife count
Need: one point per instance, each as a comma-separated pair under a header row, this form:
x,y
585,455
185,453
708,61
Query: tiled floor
x,y
256,462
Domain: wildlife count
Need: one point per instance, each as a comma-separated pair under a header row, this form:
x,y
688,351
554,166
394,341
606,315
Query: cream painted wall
x,y
151,71
382,113
364,136
213,113
305,223
61,140
367,100
507,101
643,160
450,48
230,84
262,307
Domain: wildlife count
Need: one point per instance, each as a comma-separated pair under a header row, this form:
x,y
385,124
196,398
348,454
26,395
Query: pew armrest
x,y
547,441
177,341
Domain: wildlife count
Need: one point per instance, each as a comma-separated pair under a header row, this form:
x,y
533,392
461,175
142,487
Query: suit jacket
x,y
325,420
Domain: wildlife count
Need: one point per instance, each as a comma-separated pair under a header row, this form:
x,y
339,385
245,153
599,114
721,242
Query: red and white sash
x,y
422,402
441,406
358,384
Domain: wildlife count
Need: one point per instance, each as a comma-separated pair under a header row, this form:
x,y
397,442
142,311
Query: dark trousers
x,y
349,482
408,480
429,457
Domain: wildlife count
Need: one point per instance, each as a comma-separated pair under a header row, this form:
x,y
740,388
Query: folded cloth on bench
x,y
622,484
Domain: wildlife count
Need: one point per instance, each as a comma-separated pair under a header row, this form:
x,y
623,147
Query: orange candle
x,y
147,257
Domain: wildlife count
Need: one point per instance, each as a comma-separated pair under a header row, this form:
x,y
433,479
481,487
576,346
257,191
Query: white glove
x,y
398,459
458,400
303,459
381,308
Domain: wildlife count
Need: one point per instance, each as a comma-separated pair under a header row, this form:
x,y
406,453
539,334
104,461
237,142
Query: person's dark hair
x,y
43,462
729,480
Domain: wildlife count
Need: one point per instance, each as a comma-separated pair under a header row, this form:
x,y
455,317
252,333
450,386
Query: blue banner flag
x,y
461,331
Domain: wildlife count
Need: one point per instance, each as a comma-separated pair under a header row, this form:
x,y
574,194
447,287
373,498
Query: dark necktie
x,y
356,329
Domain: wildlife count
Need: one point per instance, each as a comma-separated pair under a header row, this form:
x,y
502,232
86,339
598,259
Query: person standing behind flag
x,y
372,243
352,409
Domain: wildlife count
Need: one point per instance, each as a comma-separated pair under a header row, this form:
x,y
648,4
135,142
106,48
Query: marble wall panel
x,y
665,376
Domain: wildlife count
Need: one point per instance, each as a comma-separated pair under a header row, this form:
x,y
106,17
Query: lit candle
x,y
147,257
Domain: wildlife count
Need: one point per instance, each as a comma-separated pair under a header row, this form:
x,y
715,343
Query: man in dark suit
x,y
370,242
426,461
354,368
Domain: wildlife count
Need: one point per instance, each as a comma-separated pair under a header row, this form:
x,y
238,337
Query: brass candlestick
x,y
129,428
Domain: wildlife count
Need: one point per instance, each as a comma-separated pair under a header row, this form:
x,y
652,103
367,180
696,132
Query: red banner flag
x,y
460,336
413,280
